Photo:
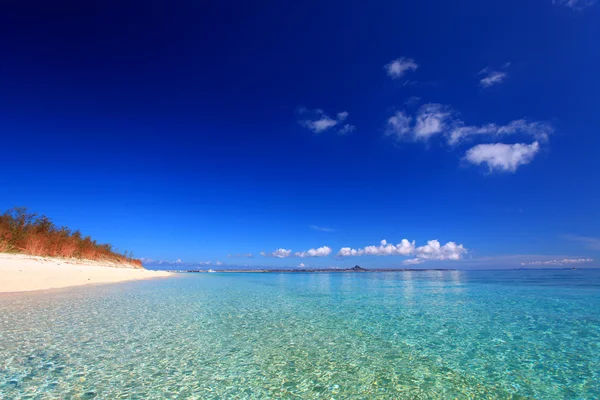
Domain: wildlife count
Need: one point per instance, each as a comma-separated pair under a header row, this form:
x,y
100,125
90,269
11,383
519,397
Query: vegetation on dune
x,y
23,232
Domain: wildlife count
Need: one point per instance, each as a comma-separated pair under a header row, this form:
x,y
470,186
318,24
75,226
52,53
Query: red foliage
x,y
22,232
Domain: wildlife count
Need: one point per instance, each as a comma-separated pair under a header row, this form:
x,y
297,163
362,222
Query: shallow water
x,y
494,334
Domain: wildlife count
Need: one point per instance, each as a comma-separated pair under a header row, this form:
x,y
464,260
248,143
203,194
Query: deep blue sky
x,y
182,130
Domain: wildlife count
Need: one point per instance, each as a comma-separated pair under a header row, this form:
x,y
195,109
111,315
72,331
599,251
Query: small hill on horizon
x,y
27,233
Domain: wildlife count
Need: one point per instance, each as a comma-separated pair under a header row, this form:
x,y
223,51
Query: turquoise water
x,y
413,335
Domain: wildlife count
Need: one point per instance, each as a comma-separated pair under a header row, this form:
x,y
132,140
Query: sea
x,y
506,334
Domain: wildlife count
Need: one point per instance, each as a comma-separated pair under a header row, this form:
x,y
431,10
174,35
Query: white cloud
x,y
399,124
436,119
413,261
320,252
502,157
560,262
434,251
218,263
491,77
344,130
318,121
431,251
279,253
301,265
431,120
349,252
341,116
574,4
321,228
398,67
403,248
538,130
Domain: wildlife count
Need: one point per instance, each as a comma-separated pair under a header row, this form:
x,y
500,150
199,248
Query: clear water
x,y
512,334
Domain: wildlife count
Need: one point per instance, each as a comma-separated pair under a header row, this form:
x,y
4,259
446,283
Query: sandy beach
x,y
19,273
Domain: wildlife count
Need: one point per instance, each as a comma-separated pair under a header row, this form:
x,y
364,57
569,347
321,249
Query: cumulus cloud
x,y
320,252
431,119
279,253
434,251
538,130
318,121
560,262
436,119
397,68
431,251
491,78
399,125
403,248
283,253
301,265
502,157
574,4
321,228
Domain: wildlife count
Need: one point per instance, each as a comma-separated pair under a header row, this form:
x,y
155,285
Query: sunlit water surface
x,y
511,334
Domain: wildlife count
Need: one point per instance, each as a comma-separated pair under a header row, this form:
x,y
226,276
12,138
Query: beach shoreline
x,y
25,273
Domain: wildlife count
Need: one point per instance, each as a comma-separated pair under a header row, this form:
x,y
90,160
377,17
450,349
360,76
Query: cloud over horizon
x,y
323,251
560,262
433,250
178,263
320,252
279,253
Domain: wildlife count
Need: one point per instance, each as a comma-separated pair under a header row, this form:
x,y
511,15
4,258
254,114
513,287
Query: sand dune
x,y
20,273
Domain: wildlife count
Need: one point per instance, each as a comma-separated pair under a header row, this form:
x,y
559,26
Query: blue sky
x,y
310,132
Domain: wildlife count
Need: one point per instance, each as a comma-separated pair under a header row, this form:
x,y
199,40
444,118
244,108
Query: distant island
x,y
356,268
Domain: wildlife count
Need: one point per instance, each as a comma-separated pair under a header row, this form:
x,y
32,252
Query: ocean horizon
x,y
414,334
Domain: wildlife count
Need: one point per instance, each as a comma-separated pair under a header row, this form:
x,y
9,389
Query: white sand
x,y
19,273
